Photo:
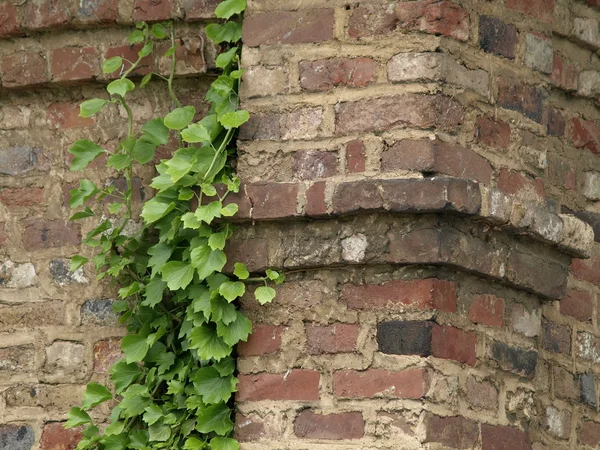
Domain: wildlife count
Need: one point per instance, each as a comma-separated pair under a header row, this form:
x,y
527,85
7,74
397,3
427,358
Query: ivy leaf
x,y
222,443
206,213
207,261
157,130
146,79
222,311
196,133
209,345
123,374
225,367
272,274
160,254
232,290
234,119
229,210
154,292
238,330
215,418
115,428
146,49
114,208
79,196
135,347
76,262
91,107
133,405
120,87
264,294
212,387
181,163
144,149
216,241
179,118
200,296
230,32
77,417
115,442
228,8
226,58
120,161
241,271
158,31
177,274
155,210
159,432
94,395
84,152
87,212
193,443
153,414
112,64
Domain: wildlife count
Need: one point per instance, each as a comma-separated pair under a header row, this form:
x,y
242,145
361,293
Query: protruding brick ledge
x,y
328,199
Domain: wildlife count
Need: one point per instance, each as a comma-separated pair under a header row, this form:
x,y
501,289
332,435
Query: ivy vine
x,y
174,386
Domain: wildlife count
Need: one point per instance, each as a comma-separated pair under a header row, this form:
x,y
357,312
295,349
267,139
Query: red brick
x,y
311,164
523,98
130,53
75,64
98,11
483,395
199,9
556,122
9,21
578,304
309,425
265,339
565,384
436,17
503,438
149,10
540,9
273,200
355,156
588,269
21,196
520,185
371,20
45,14
585,134
55,437
557,338
411,383
297,384
564,74
40,233
594,2
386,113
487,310
315,199
589,434
288,27
106,353
451,343
189,54
336,338
497,37
454,432
66,115
430,293
491,132
248,428
23,69
325,74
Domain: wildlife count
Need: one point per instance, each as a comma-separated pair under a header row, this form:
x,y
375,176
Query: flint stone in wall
x,y
16,437
18,160
17,276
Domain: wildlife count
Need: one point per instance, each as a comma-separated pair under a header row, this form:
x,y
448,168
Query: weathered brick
x,y
451,343
46,14
587,31
23,69
17,437
130,53
19,160
565,384
253,252
497,37
589,83
189,55
588,347
325,74
64,356
558,422
311,164
265,339
454,432
98,11
98,311
9,20
40,233
435,17
588,269
411,383
589,434
521,185
555,123
487,310
75,64
564,73
297,384
355,156
578,304
423,294
481,394
273,200
20,358
149,10
66,115
199,9
56,437
288,27
514,359
21,197
557,338
585,134
492,132
540,9
106,353
17,276
503,438
336,338
405,338
367,20
587,385
50,397
436,157
538,53
386,113
315,199
520,97
34,315
261,81
309,425
249,428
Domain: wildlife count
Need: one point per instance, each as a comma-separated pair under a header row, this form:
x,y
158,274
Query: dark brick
x,y
578,304
565,385
455,432
537,274
514,359
405,338
589,434
492,132
248,428
497,37
588,389
528,100
504,438
39,233
18,160
199,9
98,311
309,425
16,437
556,123
9,21
557,338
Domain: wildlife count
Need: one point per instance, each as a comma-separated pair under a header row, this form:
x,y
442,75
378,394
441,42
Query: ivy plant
x,y
173,388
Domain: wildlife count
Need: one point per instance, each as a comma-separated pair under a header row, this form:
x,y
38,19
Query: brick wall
x,y
427,171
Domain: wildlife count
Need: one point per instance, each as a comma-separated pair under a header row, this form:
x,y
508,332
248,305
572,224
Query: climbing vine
x,y
174,386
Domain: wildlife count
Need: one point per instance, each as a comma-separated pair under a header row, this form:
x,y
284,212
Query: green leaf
x,y
146,79
123,374
196,132
241,271
234,119
76,262
160,254
222,311
87,212
146,49
272,275
216,241
229,210
193,443
159,432
84,152
212,387
232,290
114,208
179,118
215,418
152,414
133,405
238,330
135,347
206,213
94,395
157,130
230,32
221,443
115,442
225,367
228,8
177,274
154,210
154,292
120,87
91,107
80,195
115,428
120,161
112,64
158,31
135,37
226,58
208,344
144,149
207,261
77,417
264,294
